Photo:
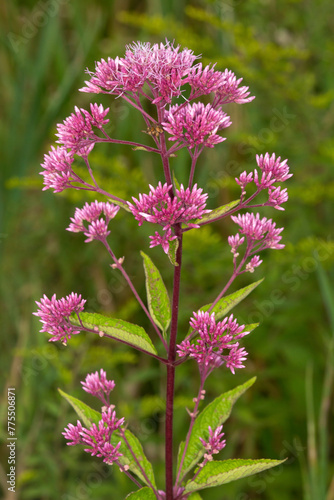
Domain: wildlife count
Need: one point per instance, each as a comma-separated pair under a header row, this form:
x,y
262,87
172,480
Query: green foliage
x,y
157,295
117,328
131,442
142,494
213,415
84,412
217,473
224,305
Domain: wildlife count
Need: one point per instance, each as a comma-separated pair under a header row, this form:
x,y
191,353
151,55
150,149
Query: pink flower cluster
x,y
216,342
58,172
163,67
160,207
76,132
97,437
260,235
98,227
97,385
55,316
273,170
195,124
214,444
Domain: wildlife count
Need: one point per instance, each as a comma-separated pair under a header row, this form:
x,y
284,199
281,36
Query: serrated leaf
x,y
157,295
127,458
214,414
217,473
87,415
216,213
142,494
225,304
173,246
117,328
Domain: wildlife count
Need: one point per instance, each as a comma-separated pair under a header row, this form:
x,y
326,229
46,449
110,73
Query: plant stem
x,y
171,369
134,291
193,416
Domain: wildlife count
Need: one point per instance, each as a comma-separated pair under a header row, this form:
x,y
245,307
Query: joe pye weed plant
x,y
172,82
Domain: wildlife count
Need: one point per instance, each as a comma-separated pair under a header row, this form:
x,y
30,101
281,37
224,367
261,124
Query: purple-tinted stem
x,y
193,165
122,433
241,205
134,291
171,368
163,150
128,143
193,416
140,108
235,273
130,476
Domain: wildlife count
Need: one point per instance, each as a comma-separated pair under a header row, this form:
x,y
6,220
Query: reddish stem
x,y
171,369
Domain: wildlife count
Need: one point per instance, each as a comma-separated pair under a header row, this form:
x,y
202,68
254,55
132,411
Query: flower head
x,y
97,385
160,207
214,343
229,90
98,227
76,132
55,315
96,438
57,171
162,66
215,442
279,171
195,124
259,230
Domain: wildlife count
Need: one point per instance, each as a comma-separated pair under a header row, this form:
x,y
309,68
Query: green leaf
x,y
217,212
214,414
221,472
173,246
195,496
117,328
120,203
127,458
176,182
157,296
142,494
87,414
225,304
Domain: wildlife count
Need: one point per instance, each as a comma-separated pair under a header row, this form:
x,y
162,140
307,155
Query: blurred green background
x,y
284,51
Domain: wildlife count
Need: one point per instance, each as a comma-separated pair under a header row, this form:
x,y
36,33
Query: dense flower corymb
x,y
58,172
96,438
98,227
76,132
195,124
163,66
55,314
216,342
262,231
159,207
